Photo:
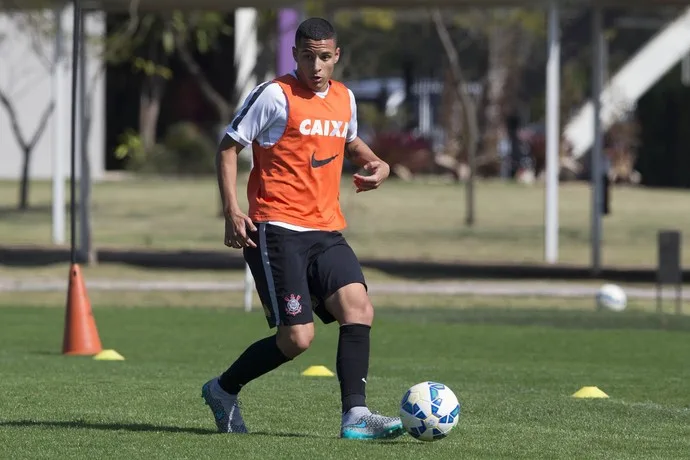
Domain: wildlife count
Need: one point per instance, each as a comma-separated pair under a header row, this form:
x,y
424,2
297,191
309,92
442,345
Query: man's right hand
x,y
236,226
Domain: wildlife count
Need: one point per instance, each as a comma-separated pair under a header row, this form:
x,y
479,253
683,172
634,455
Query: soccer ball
x,y
429,410
611,297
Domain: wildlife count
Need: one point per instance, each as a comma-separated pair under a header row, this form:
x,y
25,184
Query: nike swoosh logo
x,y
318,163
361,424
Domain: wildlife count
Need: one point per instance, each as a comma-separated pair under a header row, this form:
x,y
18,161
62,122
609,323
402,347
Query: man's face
x,y
315,62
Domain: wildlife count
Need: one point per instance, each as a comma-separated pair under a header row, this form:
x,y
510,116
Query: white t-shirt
x,y
263,118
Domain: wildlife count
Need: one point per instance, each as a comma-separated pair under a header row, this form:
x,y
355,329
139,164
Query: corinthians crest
x,y
293,307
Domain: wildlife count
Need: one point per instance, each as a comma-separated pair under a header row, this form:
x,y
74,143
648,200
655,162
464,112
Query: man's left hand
x,y
378,172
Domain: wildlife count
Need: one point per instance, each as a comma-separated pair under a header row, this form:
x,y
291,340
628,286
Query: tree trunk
x,y
26,146
23,204
508,51
501,45
469,112
152,91
149,110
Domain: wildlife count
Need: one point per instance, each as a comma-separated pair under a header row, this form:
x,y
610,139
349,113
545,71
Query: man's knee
x,y
361,311
351,305
295,340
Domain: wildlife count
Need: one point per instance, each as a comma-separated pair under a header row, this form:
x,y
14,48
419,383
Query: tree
x,y
510,35
23,73
202,31
144,43
149,43
199,33
469,112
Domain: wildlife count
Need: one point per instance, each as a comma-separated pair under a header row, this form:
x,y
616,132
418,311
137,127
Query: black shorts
x,y
295,272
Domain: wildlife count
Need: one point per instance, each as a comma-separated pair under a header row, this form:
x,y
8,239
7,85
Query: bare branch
x,y
469,112
41,125
14,121
469,118
221,104
124,36
38,29
27,147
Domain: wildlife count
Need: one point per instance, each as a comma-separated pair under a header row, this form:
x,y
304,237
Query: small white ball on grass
x,y
611,297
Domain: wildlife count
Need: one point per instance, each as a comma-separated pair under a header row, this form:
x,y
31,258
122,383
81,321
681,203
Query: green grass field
x,y
512,369
422,220
513,361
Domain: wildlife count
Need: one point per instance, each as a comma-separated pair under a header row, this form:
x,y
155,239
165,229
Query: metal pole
x,y
58,133
76,45
85,170
598,146
605,74
552,134
246,55
469,186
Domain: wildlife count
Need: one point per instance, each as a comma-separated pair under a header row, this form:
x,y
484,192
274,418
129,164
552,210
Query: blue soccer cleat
x,y
225,408
373,426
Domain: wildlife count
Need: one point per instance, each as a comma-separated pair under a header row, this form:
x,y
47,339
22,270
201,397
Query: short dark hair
x,y
315,29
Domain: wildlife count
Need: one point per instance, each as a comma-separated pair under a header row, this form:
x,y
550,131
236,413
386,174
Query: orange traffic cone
x,y
81,334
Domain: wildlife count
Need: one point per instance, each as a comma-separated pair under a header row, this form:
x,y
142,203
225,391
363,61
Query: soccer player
x,y
300,126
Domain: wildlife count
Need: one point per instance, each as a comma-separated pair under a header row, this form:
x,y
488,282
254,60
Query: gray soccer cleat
x,y
373,426
225,408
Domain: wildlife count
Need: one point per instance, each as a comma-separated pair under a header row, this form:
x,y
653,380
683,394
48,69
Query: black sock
x,y
352,364
261,357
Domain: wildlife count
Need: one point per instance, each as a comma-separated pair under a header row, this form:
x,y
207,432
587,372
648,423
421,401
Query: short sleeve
x,y
262,108
352,127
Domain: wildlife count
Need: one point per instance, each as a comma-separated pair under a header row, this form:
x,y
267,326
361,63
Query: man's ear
x,y
294,53
337,55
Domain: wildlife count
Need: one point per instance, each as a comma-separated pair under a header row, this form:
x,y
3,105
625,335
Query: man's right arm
x,y
226,168
237,224
262,107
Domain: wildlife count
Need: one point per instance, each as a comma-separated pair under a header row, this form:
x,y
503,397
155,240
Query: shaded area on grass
x,y
565,319
82,424
414,269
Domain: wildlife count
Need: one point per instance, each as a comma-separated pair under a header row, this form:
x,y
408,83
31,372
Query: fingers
x,y
372,178
249,224
372,166
242,240
366,183
245,241
239,242
232,240
236,235
232,243
365,187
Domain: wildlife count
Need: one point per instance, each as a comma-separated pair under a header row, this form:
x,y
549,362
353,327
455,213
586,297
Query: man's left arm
x,y
375,170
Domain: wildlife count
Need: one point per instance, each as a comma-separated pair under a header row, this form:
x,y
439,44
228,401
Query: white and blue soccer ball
x,y
611,297
429,410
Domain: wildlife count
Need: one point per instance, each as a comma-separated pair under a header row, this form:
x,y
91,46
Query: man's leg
x,y
337,277
350,306
277,281
263,356
267,354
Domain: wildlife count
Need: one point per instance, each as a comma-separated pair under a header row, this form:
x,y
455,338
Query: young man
x,y
300,125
